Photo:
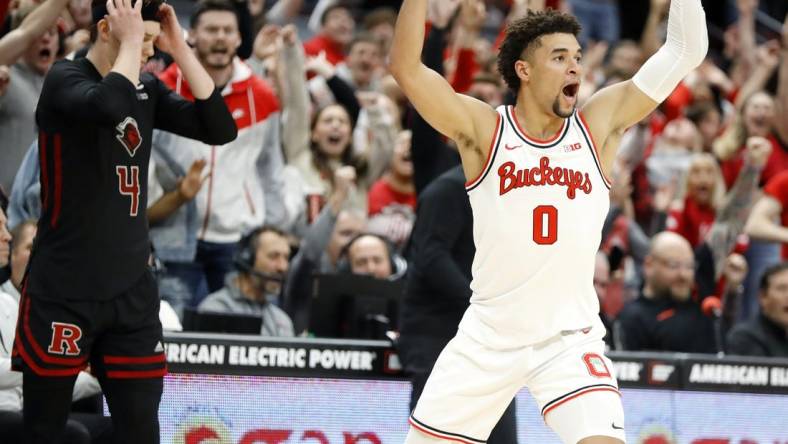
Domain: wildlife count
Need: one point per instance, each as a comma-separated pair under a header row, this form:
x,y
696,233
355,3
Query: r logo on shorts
x,y
64,339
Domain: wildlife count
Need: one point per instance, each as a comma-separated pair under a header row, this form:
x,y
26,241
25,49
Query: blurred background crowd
x,y
334,172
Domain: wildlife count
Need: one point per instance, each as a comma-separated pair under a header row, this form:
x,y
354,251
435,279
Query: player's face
x,y
216,39
332,131
701,180
5,240
41,54
555,73
21,254
368,255
273,257
774,301
152,31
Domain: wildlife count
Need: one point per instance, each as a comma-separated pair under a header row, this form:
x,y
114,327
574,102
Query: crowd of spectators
x,y
333,170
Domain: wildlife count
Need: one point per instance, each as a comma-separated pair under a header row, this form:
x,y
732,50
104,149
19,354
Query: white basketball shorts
x,y
568,375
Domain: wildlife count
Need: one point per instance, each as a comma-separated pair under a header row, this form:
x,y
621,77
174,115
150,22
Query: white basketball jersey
x,y
538,209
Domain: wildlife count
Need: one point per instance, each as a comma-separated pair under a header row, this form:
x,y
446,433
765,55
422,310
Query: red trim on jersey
x,y
534,140
56,155
576,395
137,374
593,146
493,144
436,435
37,348
210,192
42,160
134,359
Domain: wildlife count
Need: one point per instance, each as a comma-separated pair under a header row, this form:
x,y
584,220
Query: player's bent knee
x,y
416,436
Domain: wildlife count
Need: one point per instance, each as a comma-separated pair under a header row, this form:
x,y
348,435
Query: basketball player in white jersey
x,y
537,186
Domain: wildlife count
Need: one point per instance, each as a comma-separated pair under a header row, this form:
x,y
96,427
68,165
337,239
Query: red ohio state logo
x,y
129,135
64,339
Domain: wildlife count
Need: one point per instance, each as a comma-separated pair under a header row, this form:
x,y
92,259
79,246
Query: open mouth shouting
x,y
570,91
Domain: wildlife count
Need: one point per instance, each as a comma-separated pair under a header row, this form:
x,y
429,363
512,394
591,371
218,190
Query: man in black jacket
x,y
767,334
439,277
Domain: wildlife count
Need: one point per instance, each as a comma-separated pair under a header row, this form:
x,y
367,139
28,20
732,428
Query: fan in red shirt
x,y
392,199
757,118
773,206
704,192
336,32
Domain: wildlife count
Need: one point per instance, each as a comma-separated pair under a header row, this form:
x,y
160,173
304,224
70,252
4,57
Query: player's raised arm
x,y
614,109
469,122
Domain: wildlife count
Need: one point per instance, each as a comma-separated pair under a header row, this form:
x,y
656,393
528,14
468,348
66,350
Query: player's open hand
x,y
125,20
171,37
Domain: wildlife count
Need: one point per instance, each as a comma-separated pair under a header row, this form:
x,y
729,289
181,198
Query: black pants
x,y
81,428
418,355
133,404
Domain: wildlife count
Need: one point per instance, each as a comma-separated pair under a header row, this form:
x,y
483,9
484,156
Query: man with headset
x,y
262,262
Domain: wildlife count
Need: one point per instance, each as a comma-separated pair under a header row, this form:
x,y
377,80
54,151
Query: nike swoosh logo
x,y
616,427
510,148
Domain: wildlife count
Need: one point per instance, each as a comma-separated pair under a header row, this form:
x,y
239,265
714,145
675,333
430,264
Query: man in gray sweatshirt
x,y
262,263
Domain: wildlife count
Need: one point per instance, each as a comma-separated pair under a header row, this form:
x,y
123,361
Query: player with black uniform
x,y
89,297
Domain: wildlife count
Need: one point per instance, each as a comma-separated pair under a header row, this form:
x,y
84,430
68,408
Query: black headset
x,y
343,264
244,257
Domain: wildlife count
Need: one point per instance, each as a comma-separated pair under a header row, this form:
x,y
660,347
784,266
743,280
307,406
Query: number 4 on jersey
x,y
129,185
545,225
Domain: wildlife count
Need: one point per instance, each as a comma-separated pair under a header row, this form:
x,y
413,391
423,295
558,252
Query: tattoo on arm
x,y
732,216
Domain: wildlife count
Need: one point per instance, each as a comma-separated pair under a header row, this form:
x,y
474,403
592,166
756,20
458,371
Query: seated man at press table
x,y
767,333
262,262
372,255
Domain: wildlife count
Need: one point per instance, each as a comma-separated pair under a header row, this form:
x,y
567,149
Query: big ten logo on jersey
x,y
572,147
596,365
64,339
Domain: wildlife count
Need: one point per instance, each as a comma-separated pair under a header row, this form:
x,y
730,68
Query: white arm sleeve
x,y
685,49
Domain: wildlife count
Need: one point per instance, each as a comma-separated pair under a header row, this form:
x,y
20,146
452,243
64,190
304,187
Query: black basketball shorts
x,y
120,338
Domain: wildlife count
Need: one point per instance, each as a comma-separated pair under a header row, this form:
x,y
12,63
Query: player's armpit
x,y
469,122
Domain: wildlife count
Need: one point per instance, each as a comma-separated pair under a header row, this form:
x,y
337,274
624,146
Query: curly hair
x,y
523,36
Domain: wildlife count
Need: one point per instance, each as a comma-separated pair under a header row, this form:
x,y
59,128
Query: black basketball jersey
x,y
94,148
